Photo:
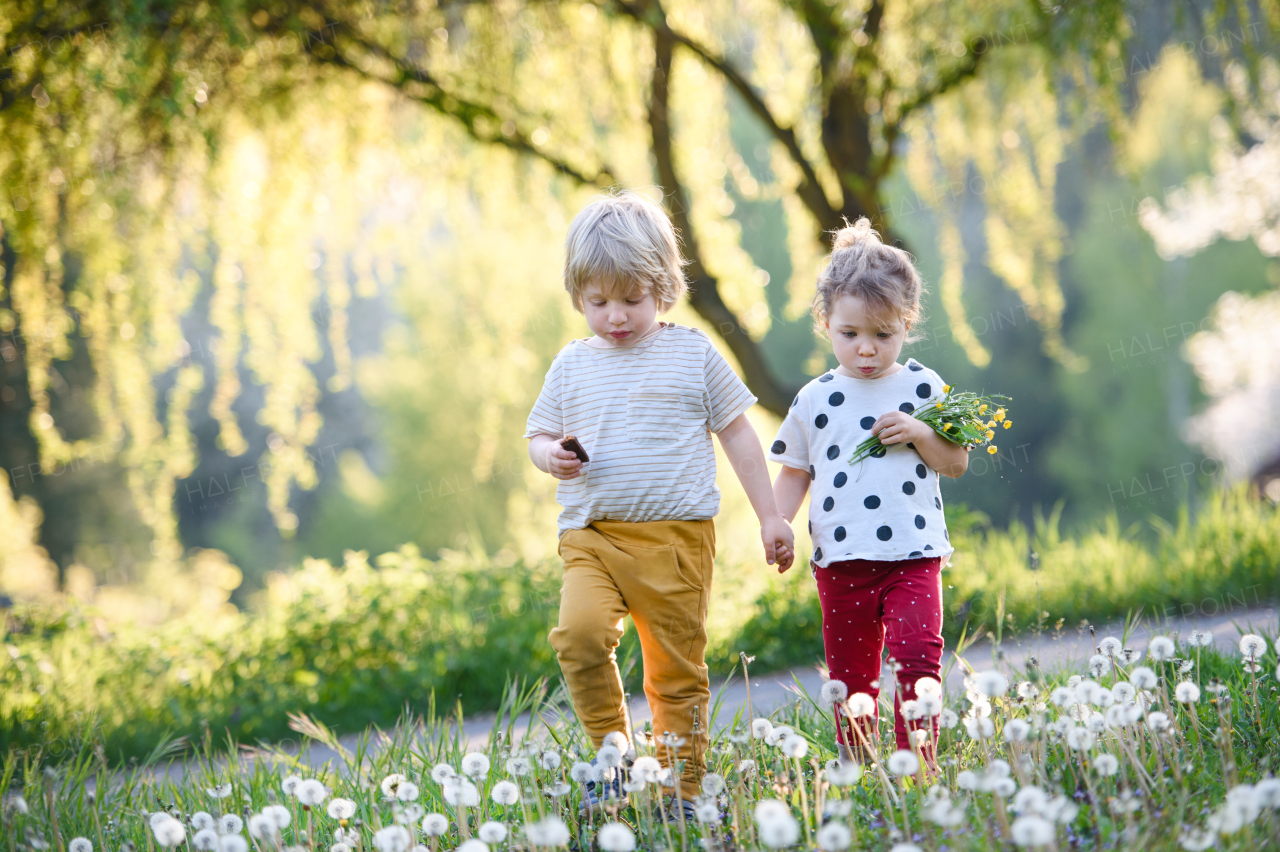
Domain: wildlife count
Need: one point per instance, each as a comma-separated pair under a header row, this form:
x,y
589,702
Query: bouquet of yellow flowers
x,y
960,417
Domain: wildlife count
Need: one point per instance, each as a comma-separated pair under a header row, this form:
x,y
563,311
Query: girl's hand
x,y
561,463
898,427
779,542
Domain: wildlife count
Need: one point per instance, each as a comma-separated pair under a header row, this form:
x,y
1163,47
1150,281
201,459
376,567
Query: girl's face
x,y
619,321
866,349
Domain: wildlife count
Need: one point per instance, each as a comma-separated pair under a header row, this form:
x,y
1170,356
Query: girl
x,y
879,538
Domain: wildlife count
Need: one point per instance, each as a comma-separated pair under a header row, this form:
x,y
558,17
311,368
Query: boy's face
x,y
619,320
865,348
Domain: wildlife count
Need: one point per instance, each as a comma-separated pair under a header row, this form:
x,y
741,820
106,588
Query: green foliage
x,y
357,644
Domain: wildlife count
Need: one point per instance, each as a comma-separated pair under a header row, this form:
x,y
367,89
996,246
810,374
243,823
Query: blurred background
x,y
279,283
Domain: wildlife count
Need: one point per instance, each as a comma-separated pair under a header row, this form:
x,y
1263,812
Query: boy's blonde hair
x,y
882,276
622,241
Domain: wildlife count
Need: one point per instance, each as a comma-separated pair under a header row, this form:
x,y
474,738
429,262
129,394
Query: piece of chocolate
x,y
571,444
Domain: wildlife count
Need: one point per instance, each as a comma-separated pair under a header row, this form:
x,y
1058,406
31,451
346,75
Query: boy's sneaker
x,y
671,816
596,793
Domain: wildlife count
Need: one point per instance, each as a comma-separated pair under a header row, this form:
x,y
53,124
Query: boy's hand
x,y
561,463
779,542
898,427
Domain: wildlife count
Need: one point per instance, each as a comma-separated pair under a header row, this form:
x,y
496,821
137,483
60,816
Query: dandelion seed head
x,y
761,728
1110,646
746,767
582,772
1099,665
461,792
860,704
505,793
778,828
1017,730
1158,722
707,813
905,847
290,784
200,820
80,844
205,840
492,832
441,773
1186,692
1268,793
616,837
475,765
1032,831
230,824
312,793
1086,691
928,686
903,762
713,784
1103,697
1252,646
1196,840
834,837
1030,800
967,780
618,740
168,831
929,705
393,838
1143,678
233,843
645,769
609,757
408,792
794,746
1080,739
843,773
1123,692
991,684
1063,696
341,808
911,710
518,767
221,791
1106,764
434,825
1160,648
393,781
550,831
473,845
549,760
339,847
833,692
979,727
262,827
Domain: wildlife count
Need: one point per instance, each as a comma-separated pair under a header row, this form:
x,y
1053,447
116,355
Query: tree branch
x,y
810,190
704,295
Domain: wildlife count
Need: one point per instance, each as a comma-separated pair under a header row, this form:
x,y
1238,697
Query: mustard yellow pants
x,y
659,573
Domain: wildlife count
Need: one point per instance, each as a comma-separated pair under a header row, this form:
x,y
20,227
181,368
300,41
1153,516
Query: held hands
x,y
561,463
779,542
898,427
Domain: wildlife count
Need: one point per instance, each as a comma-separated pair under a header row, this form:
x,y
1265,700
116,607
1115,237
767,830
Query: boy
x,y
636,535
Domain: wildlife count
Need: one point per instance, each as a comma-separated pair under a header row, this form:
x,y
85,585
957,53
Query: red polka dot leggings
x,y
870,605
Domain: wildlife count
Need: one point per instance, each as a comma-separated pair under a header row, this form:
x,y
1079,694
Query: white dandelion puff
x,y
221,791
1099,665
475,765
794,746
746,767
290,784
645,769
905,847
860,704
833,692
168,831
80,844
342,847
834,837
1110,646
1158,722
582,772
979,727
393,838
948,718
761,728
778,828
967,780
1143,678
441,773
1252,645
341,808
928,686
434,825
1106,764
472,845
518,767
233,843
205,840
1196,840
230,824
1160,648
395,779
1063,696
843,773
461,792
609,756
1032,831
200,820
903,762
707,813
505,793
618,740
1186,692
492,832
408,792
616,837
1123,692
278,814
550,760
992,684
548,832
713,784
262,827
558,789
1016,731
1030,800
311,793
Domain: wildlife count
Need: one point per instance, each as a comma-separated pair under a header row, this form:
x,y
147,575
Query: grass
x,y
1181,775
356,644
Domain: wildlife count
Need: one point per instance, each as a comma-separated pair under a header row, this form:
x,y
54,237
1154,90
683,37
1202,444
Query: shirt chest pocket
x,y
661,418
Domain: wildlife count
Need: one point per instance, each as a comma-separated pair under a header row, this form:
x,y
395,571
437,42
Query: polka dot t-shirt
x,y
887,507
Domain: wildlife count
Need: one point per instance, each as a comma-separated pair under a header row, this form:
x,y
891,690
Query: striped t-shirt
x,y
644,414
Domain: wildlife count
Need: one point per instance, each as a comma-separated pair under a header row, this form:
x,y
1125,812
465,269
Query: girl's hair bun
x,y
855,235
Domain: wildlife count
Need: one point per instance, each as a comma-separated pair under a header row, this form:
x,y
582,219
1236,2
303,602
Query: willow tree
x,y
115,120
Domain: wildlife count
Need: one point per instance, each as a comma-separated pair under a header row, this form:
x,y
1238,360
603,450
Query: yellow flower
x,y
991,424
1008,423
982,409
999,415
946,388
990,434
992,449
937,405
946,426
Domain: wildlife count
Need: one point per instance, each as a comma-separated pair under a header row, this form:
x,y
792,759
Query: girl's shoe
x,y
596,794
671,816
